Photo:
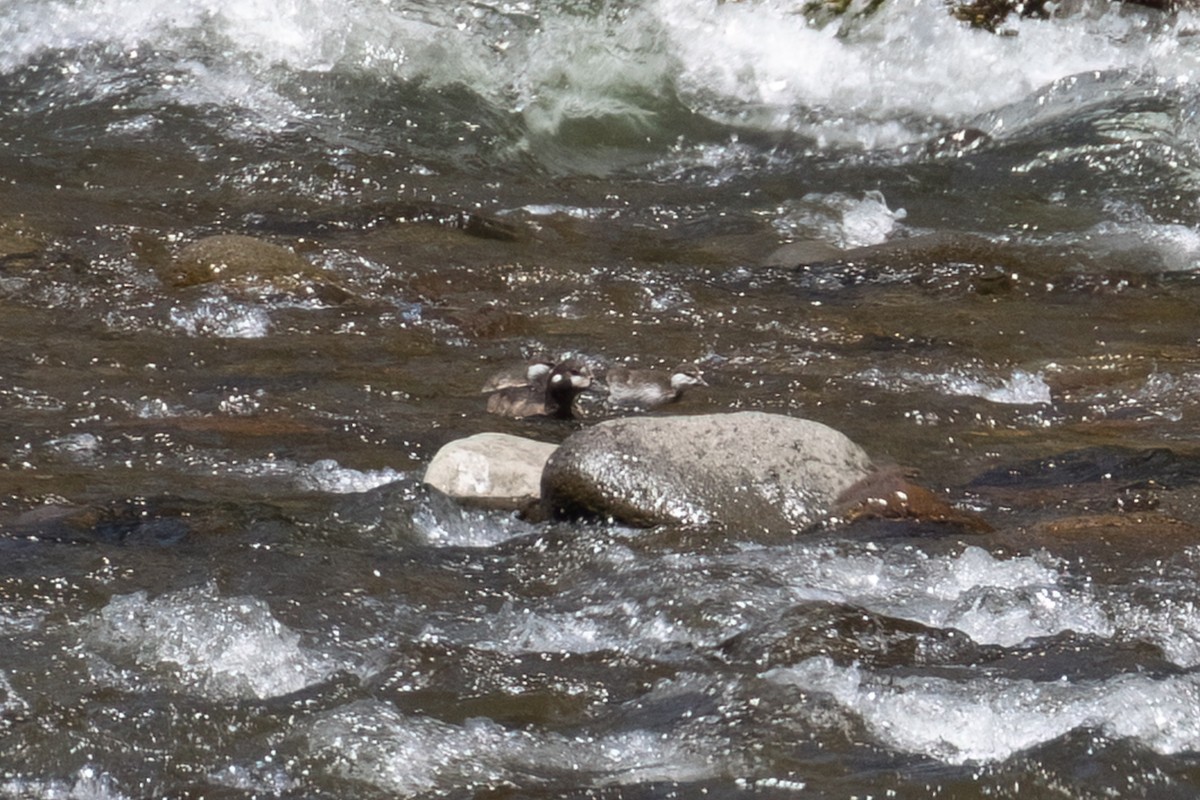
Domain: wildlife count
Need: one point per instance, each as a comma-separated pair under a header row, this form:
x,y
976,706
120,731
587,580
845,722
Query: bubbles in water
x,y
869,221
1173,626
763,64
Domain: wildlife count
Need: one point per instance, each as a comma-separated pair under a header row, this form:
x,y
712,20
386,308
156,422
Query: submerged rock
x,y
246,264
20,245
374,216
748,471
494,469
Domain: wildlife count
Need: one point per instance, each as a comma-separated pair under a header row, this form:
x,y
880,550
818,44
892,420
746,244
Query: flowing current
x,y
973,252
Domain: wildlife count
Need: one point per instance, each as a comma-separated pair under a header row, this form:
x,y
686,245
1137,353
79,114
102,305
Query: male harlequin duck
x,y
552,395
647,388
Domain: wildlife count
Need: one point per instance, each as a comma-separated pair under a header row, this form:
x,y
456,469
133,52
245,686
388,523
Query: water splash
x,y
624,72
326,475
839,219
223,319
408,755
1020,388
992,600
990,719
89,784
223,648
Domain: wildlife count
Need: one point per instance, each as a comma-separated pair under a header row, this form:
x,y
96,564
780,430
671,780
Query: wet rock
x,y
803,252
493,469
160,522
747,471
494,321
822,12
241,262
890,494
989,14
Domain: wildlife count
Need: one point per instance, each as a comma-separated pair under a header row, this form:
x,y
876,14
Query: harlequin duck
x,y
647,388
551,396
526,374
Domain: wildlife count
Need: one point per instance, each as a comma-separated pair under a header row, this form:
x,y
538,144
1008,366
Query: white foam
x,y
410,755
990,719
887,80
1170,247
558,209
219,647
1174,627
88,784
876,80
626,626
81,446
327,475
443,526
10,702
222,318
157,408
992,600
1020,388
839,219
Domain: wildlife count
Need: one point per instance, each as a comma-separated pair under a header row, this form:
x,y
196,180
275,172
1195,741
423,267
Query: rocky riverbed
x,y
258,260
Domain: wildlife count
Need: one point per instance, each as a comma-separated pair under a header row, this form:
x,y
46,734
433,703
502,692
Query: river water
x,y
221,576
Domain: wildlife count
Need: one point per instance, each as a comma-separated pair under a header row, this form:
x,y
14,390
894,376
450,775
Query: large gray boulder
x,y
746,471
493,469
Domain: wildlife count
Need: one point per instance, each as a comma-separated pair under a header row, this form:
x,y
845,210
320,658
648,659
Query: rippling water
x,y
973,253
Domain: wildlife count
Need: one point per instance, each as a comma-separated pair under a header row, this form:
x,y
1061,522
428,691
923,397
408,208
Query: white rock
x,y
493,468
